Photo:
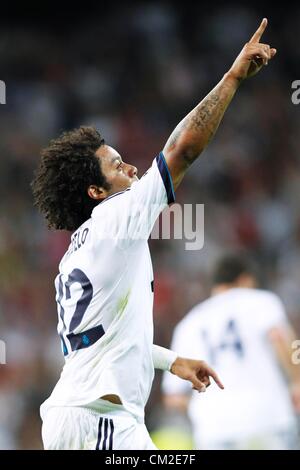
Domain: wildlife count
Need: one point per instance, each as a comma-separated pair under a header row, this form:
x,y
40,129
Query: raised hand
x,y
253,56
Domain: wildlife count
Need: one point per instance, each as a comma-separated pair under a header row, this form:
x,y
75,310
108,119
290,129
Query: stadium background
x,y
134,70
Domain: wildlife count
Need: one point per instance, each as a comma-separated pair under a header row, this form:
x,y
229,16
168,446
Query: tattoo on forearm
x,y
203,121
203,113
197,119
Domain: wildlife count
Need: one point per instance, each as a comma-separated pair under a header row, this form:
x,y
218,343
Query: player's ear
x,y
97,192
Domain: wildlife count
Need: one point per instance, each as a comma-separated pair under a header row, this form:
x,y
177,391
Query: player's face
x,y
120,175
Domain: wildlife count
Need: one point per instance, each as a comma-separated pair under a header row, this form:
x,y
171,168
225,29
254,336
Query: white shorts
x,y
80,428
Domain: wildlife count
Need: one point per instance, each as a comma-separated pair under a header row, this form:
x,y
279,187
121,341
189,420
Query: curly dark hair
x,y
67,168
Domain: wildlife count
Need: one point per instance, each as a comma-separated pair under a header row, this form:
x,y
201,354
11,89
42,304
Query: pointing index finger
x,y
213,374
259,32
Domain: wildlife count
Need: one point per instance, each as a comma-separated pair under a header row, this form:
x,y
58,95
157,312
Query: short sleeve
x,y
273,312
130,215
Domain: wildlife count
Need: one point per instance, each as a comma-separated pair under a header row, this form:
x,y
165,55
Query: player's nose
x,y
132,171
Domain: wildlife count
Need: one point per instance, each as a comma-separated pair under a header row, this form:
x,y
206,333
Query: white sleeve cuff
x,y
163,358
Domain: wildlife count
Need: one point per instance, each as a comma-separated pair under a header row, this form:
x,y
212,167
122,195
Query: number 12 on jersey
x,y
84,338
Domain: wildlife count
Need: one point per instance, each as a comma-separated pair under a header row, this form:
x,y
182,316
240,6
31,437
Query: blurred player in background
x,y
104,289
244,332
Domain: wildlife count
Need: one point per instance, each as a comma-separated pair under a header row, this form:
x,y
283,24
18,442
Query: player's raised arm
x,y
194,132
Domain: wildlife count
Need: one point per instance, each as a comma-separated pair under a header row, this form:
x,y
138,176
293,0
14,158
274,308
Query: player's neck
x,y
221,288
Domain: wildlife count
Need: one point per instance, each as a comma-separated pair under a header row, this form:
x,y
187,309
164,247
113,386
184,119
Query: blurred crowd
x,y
134,73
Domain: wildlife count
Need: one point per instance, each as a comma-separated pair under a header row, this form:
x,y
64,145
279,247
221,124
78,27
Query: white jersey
x,y
229,331
104,293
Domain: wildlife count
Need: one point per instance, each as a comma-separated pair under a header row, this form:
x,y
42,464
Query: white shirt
x,y
104,293
229,331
